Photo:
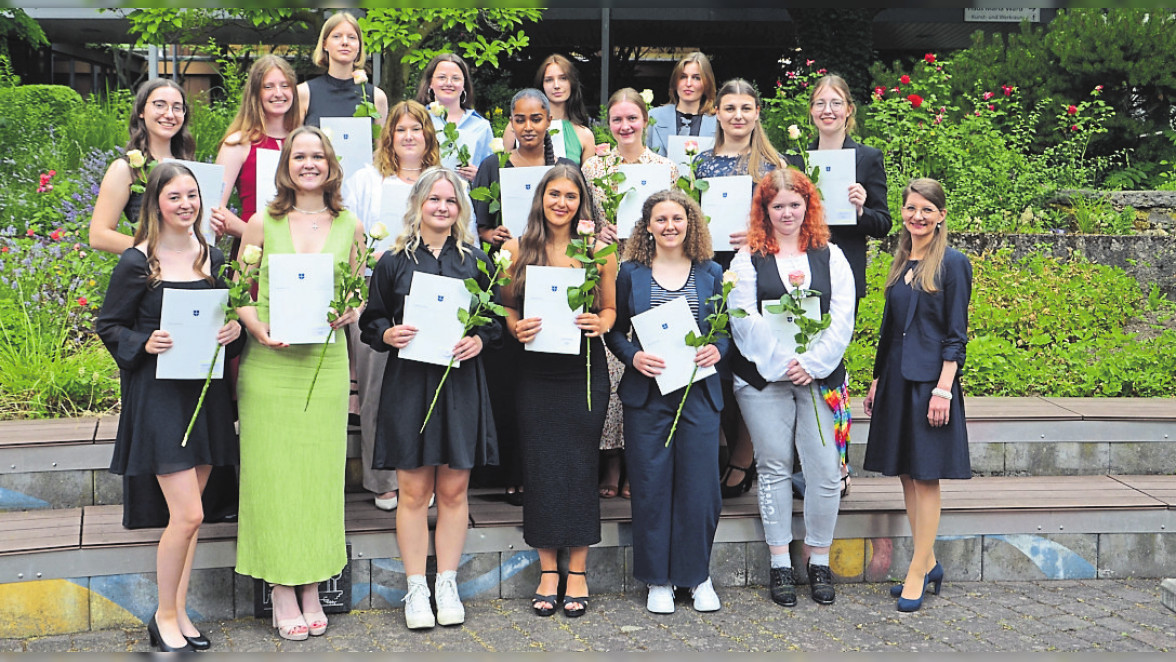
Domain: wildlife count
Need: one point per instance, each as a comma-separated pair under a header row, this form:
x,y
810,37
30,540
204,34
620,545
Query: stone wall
x,y
1156,208
1149,258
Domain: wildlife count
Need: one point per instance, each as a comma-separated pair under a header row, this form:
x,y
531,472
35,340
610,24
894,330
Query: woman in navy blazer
x,y
915,403
691,110
676,498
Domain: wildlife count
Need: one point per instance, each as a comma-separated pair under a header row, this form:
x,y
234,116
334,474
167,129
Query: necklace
x,y
411,169
313,221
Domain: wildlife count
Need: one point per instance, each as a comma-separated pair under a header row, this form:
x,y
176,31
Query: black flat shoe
x,y
158,642
514,498
199,642
740,488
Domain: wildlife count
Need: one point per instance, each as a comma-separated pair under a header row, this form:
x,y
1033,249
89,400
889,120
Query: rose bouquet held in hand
x,y
719,319
239,297
581,249
349,293
483,303
792,303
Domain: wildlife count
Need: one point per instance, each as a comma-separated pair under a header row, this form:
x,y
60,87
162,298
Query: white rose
x,y
436,109
378,232
503,259
359,76
251,254
647,96
793,132
730,277
496,145
136,158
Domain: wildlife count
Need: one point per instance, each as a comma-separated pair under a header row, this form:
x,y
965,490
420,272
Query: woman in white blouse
x,y
780,390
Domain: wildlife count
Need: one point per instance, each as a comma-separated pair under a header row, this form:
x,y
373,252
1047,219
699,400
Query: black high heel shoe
x,y
199,642
158,642
550,599
571,599
933,577
740,488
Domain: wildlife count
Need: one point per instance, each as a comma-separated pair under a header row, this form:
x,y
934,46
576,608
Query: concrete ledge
x,y
1168,593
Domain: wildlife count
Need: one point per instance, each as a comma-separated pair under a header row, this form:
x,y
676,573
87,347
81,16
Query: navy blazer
x,y
875,219
666,124
936,326
634,283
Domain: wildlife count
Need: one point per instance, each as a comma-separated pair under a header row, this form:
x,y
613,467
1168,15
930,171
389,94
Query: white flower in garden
x,y
251,254
379,231
136,158
359,76
793,132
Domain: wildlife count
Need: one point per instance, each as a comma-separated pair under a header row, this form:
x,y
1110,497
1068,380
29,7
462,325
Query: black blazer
x,y
936,326
633,287
875,219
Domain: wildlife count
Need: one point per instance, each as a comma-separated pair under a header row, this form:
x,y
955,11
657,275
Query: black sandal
x,y
740,488
544,611
568,599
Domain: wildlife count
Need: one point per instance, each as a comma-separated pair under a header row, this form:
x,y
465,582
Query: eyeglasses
x,y
162,106
835,104
443,79
911,210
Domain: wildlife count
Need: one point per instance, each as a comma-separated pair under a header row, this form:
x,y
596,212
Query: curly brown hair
x,y
814,233
640,246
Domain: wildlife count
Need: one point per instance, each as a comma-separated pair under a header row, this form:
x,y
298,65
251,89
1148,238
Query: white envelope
x,y
210,179
432,307
676,149
352,139
301,287
663,331
645,179
783,326
518,187
728,204
546,297
192,318
266,171
838,171
393,206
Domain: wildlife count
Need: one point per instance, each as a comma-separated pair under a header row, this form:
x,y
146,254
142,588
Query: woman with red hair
x,y
783,388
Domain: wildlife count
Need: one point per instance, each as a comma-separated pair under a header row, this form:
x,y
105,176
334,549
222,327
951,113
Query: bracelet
x,y
946,395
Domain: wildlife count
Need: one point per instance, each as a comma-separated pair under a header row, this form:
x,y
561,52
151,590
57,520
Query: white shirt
x,y
755,339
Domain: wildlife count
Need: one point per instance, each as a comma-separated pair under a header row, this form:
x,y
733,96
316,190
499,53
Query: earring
x,y
938,225
463,98
432,95
650,235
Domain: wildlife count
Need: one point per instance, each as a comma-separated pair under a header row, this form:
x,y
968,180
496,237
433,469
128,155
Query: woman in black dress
x,y
168,254
336,93
460,432
917,425
558,433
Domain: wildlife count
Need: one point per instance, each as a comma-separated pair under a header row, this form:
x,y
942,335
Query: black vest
x,y
770,287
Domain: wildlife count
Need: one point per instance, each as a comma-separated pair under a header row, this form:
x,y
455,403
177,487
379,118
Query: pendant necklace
x,y
313,221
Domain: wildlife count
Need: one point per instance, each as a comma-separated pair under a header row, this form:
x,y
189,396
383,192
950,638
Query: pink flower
x,y
822,71
83,301
987,96
691,147
809,63
1073,127
30,232
3,249
938,119
602,149
77,247
796,278
929,58
1072,109
55,235
905,80
1098,88
879,91
915,100
791,74
585,227
1008,90
991,107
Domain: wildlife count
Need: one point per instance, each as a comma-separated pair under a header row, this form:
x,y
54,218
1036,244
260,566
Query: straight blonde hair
x,y
409,239
320,54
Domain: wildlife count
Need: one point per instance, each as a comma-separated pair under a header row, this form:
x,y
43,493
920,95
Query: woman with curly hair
x,y
676,499
788,249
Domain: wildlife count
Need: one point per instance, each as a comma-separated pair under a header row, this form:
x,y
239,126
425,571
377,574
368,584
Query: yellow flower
x,y
251,254
730,277
379,231
136,158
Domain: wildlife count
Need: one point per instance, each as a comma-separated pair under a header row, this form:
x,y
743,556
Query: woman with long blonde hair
x,y
336,93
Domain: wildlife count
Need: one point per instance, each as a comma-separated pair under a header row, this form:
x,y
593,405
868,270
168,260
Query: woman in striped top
x,y
676,498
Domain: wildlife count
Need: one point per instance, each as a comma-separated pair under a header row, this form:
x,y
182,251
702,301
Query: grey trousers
x,y
369,372
780,417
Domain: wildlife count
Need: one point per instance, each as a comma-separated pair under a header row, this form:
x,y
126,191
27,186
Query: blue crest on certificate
x,y
431,306
301,287
662,331
546,297
192,318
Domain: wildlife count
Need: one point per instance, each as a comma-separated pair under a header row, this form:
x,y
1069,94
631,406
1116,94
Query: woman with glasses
x,y
335,93
447,82
917,429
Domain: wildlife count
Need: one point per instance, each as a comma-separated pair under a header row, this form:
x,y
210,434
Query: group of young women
x,y
526,411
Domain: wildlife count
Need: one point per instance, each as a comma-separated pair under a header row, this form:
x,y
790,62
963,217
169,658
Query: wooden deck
x,y
101,526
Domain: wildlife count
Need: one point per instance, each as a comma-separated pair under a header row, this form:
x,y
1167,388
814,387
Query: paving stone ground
x,y
972,617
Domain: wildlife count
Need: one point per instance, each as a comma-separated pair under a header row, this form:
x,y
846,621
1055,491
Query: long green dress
x,y
291,528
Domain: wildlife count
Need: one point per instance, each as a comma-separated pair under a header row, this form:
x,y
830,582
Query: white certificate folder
x,y
727,203
351,137
192,319
838,168
517,187
301,288
210,180
663,332
431,306
641,181
546,297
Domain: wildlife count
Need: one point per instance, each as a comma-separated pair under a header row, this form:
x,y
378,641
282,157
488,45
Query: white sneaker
x,y
660,599
449,608
389,503
418,613
705,598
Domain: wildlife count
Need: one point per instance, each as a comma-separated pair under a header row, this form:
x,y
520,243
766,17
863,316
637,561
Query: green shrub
x,y
1041,326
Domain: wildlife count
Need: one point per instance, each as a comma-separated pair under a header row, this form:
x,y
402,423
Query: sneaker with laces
x,y
449,608
418,613
821,584
660,599
705,598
